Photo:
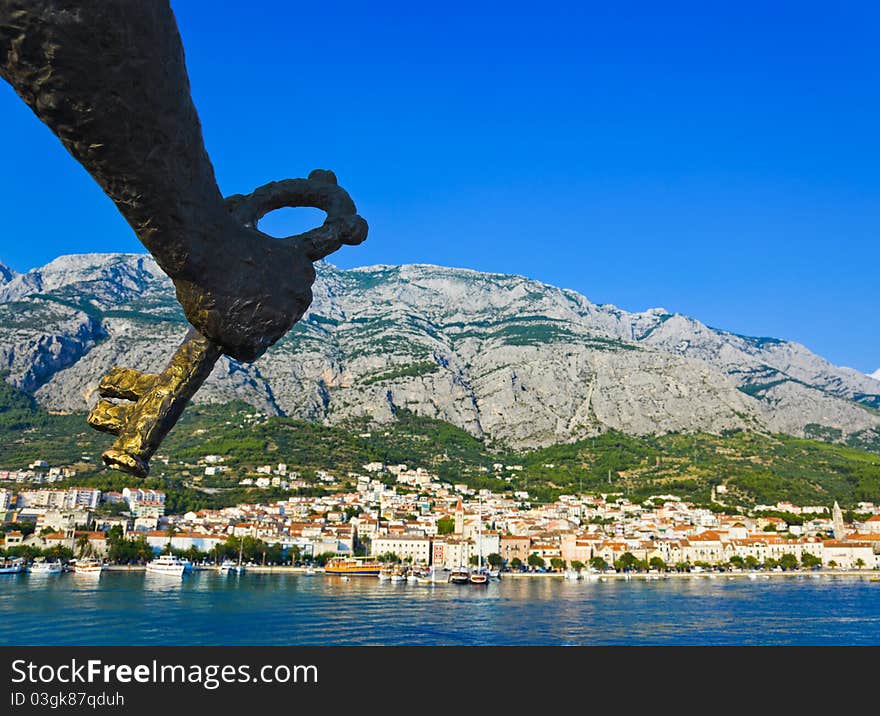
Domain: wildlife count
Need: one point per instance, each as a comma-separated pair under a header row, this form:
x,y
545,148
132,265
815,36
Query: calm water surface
x,y
293,609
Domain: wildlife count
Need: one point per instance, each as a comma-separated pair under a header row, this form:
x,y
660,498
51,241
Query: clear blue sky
x,y
716,159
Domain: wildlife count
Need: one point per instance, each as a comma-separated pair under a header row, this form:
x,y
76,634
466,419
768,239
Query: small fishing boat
x,y
44,567
12,566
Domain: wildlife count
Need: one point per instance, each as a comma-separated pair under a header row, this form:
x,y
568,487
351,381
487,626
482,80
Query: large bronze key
x,y
160,400
108,77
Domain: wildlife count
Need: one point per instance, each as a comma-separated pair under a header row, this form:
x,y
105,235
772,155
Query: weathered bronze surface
x,y
108,77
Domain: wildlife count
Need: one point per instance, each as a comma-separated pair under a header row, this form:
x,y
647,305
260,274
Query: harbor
x,y
290,607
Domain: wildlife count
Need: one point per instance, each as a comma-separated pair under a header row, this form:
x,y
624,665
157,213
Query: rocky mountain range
x,y
509,359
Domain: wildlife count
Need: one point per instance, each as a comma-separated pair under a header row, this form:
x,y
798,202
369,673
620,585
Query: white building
x,y
73,498
409,548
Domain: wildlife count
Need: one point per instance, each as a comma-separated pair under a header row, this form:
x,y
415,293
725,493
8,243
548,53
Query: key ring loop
x,y
320,191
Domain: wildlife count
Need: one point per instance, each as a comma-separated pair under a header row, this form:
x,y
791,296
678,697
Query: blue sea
x,y
207,608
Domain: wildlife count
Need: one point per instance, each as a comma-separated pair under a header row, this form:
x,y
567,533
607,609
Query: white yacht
x,y
88,567
572,575
230,567
168,565
431,577
43,567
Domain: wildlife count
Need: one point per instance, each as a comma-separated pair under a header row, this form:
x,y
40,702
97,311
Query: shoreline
x,y
633,576
642,576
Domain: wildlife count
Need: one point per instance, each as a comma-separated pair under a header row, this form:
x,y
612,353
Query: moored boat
x,y
479,577
351,567
230,567
167,565
12,566
459,575
88,567
44,567
432,577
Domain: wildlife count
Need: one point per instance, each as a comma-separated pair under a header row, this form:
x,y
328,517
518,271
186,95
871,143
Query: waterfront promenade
x,y
624,576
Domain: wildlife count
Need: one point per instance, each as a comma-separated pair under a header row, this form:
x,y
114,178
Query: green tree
x,y
557,563
83,546
535,561
577,565
657,563
352,511
142,551
60,553
446,526
25,551
809,560
788,561
626,561
494,559
737,561
516,563
860,563
598,563
752,562
324,557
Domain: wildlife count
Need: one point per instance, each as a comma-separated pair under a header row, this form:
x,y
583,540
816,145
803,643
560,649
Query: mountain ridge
x,y
505,357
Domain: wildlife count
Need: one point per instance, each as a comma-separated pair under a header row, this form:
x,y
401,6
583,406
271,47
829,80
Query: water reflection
x,y
285,608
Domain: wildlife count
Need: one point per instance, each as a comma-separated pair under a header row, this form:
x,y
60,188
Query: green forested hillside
x,y
753,468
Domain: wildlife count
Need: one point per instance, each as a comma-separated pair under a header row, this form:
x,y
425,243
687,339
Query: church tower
x,y
459,518
837,519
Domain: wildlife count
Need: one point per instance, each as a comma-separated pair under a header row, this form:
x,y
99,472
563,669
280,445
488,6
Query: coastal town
x,y
406,515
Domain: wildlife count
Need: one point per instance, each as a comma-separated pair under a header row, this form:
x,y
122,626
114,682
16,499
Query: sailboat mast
x,y
480,534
